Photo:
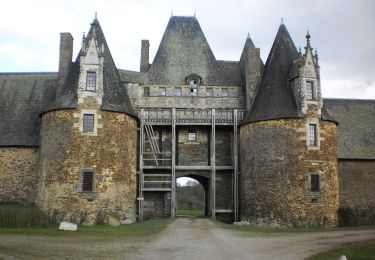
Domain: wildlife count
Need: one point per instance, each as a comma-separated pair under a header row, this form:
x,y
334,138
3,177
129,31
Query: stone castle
x,y
92,143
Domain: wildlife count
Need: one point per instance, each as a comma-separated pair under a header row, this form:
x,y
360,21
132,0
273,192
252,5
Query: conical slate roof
x,y
248,45
114,94
274,98
184,50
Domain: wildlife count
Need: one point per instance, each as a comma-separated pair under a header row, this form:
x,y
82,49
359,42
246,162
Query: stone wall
x,y
156,204
170,100
357,186
193,152
18,175
275,168
110,154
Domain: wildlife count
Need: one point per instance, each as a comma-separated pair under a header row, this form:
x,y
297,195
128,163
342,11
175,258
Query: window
x,y
87,181
88,123
224,92
192,135
194,83
91,81
313,137
146,91
193,92
209,92
162,91
177,91
315,182
310,95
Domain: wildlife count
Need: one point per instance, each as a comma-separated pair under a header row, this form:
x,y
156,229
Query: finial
x,y
83,40
195,12
299,50
308,36
282,20
248,35
96,15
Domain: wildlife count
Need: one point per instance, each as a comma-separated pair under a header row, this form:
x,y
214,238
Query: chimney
x,y
66,53
145,46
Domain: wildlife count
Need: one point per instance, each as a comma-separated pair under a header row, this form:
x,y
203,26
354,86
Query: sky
x,y
342,31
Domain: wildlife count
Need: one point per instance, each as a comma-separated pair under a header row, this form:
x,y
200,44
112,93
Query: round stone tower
x,y
88,139
288,160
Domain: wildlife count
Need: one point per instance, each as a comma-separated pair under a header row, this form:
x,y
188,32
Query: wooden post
x,y
173,191
213,164
235,159
140,177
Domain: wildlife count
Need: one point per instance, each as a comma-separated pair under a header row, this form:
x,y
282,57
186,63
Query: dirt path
x,y
184,239
201,239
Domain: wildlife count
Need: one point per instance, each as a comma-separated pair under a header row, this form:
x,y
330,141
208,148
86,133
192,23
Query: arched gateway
x,y
199,143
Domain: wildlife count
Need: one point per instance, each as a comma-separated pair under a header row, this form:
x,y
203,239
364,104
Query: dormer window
x,y
310,92
91,81
193,81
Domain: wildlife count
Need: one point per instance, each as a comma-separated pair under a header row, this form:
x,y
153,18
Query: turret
x,y
88,139
288,140
251,67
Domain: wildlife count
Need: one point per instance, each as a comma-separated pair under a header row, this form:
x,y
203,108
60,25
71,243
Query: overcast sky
x,y
343,31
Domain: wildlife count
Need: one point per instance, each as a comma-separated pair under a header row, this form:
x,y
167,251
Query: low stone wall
x,y
18,174
275,165
357,186
110,154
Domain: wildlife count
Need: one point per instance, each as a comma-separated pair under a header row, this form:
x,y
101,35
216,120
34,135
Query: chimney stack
x,y
145,56
66,54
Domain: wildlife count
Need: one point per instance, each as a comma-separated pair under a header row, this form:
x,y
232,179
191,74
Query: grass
x,y
198,213
137,229
284,231
29,220
15,215
359,250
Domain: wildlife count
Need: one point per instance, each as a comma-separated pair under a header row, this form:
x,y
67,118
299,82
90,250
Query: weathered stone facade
x,y
275,165
357,203
18,174
111,155
190,107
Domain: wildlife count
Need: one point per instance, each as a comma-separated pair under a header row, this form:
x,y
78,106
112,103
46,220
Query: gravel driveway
x,y
184,239
201,239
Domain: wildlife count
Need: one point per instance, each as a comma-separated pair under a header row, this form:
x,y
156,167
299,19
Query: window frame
x,y
87,181
315,182
162,91
225,92
176,93
146,91
192,134
313,135
209,92
88,123
91,81
310,90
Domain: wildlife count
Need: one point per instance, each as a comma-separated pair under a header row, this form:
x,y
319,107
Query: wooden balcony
x,y
191,116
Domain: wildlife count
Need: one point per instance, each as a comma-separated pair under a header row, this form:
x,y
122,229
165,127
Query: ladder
x,y
153,143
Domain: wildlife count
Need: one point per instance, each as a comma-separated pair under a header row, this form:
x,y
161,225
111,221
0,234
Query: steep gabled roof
x,y
356,128
115,97
184,50
21,100
274,98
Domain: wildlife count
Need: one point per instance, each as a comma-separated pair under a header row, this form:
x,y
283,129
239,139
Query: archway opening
x,y
191,201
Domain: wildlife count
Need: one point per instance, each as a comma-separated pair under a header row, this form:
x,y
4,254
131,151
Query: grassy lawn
x,y
360,251
137,229
28,220
284,231
198,213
